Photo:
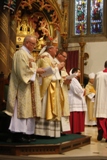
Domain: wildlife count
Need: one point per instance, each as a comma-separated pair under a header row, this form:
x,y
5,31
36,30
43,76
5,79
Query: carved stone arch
x,y
41,18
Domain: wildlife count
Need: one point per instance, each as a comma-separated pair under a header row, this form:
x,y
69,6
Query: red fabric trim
x,y
105,70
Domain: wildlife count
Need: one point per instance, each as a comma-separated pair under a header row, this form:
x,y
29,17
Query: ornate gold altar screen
x,y
43,18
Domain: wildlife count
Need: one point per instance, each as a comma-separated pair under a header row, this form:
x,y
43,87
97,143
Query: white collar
x,y
25,49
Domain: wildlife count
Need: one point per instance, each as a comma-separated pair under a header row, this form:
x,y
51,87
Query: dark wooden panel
x,y
37,149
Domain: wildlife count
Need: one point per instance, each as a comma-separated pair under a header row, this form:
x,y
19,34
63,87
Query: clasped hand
x,y
61,65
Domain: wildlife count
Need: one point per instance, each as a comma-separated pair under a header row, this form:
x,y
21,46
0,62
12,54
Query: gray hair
x,y
48,47
28,37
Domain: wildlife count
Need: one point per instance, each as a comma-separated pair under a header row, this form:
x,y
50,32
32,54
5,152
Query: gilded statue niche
x,y
34,24
24,27
44,18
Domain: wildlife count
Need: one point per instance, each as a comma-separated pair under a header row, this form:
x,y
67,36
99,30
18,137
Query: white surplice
x,y
76,99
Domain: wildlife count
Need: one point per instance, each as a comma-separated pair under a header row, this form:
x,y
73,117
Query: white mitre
x,y
91,75
55,41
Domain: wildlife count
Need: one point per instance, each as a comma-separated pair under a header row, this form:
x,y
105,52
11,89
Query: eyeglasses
x,y
64,56
32,43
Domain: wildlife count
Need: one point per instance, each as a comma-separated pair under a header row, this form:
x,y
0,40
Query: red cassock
x,y
76,122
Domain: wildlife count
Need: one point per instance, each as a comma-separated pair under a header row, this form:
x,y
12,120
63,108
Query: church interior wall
x,y
97,56
96,45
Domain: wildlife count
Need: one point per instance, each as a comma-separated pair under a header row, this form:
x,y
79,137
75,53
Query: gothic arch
x,y
42,18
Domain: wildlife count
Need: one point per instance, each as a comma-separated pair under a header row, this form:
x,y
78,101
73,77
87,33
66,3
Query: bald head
x,y
28,38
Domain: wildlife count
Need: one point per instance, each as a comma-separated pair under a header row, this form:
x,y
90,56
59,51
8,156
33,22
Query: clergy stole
x,y
32,92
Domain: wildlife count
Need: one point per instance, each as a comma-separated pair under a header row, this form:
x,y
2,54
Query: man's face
x,y
31,43
91,80
52,51
79,73
56,47
62,57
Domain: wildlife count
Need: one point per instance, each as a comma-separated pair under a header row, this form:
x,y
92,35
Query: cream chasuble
x,y
20,87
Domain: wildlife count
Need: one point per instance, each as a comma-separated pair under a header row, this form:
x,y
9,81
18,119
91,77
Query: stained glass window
x,y
89,16
96,16
80,16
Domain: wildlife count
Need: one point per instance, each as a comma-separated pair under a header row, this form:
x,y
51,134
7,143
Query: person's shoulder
x,y
16,53
87,85
101,75
104,74
19,50
44,54
20,53
74,80
100,72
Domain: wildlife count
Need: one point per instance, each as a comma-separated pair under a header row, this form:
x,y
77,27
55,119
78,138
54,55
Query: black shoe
x,y
100,135
32,137
21,140
106,140
78,133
